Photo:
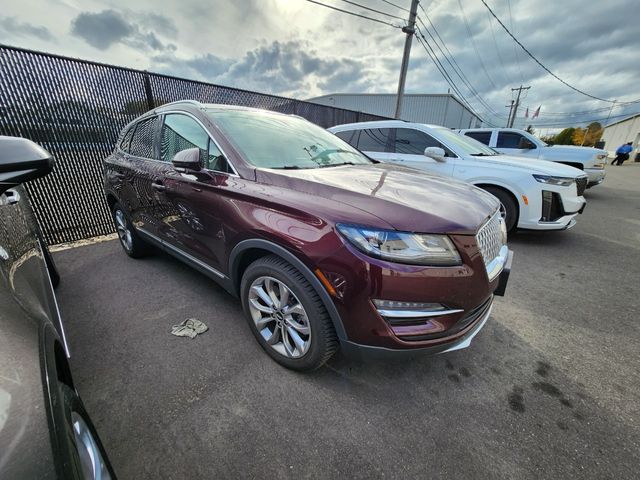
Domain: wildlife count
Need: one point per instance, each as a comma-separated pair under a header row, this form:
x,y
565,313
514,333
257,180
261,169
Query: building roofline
x,y
395,95
622,120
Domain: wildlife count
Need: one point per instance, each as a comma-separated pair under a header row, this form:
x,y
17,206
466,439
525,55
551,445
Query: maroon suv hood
x,y
406,199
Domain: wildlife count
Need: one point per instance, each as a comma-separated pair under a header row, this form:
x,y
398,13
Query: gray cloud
x,y
101,30
108,27
279,67
11,27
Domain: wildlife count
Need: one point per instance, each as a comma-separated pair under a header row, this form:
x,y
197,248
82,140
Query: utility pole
x,y
510,112
409,30
517,104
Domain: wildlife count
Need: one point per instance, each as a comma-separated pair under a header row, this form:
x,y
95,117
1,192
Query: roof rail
x,y
192,102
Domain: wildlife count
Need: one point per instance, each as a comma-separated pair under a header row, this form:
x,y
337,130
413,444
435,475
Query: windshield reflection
x,y
272,140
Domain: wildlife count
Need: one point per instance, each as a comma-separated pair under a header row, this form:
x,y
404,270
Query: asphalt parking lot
x,y
549,389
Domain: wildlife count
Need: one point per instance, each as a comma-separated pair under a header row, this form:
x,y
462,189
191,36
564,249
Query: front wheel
x,y
286,315
508,204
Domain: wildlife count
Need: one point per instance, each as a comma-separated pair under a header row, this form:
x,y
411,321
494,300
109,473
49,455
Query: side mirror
x,y
436,153
188,159
526,144
22,160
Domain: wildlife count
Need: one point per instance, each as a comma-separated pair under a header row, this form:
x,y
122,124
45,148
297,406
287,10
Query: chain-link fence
x,y
76,109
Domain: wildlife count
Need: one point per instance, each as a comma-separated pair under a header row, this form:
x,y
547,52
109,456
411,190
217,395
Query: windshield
x,y
463,145
270,140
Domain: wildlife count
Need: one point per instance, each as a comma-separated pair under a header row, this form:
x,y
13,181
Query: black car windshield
x,y
271,140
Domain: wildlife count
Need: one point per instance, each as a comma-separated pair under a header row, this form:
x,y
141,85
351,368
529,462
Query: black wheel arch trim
x,y
234,265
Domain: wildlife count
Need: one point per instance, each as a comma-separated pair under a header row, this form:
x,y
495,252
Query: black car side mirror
x,y
188,159
22,160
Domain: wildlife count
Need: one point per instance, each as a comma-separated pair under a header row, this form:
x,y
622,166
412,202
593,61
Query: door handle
x,y
158,186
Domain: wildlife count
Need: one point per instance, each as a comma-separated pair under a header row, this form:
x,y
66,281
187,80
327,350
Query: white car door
x,y
407,149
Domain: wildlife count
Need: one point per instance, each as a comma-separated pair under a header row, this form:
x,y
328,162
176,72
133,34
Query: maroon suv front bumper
x,y
465,291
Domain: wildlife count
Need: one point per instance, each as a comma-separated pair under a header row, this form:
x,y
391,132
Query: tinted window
x,y
482,137
414,142
508,140
181,132
350,136
142,140
126,139
375,140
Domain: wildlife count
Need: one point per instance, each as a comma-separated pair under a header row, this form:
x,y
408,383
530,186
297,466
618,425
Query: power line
x,y
372,9
473,44
576,122
515,50
394,5
453,63
353,13
446,76
540,63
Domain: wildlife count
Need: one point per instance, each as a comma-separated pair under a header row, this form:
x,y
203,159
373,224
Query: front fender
x,y
263,244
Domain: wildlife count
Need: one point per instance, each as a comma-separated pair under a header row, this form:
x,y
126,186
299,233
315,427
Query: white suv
x,y
536,194
521,143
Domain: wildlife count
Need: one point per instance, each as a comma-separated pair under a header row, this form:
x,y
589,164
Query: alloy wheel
x,y
123,230
279,317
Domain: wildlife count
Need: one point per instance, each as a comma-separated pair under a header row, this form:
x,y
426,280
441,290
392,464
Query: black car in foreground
x,y
45,431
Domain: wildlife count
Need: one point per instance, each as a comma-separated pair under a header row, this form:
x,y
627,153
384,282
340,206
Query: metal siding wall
x,y
433,109
620,133
76,109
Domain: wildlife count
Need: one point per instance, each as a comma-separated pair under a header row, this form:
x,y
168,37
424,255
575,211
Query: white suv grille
x,y
490,238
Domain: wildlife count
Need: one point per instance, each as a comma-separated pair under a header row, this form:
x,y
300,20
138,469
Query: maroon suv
x,y
325,247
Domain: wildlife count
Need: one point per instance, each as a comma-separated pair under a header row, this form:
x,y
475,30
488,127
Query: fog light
x,y
392,309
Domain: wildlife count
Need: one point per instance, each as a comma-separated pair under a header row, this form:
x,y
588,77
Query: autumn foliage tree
x,y
587,136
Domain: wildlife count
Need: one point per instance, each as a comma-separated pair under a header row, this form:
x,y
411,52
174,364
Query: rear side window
x,y
181,132
126,139
482,137
508,140
349,136
375,140
142,139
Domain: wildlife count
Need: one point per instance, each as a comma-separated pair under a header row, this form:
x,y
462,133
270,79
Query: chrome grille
x,y
489,238
581,184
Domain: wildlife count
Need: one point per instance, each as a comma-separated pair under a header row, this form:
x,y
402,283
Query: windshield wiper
x,y
288,167
483,154
339,164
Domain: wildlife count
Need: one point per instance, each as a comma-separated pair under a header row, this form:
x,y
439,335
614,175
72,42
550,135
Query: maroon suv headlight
x,y
402,247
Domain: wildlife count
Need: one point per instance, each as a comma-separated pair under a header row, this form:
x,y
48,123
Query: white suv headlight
x,y
550,180
402,247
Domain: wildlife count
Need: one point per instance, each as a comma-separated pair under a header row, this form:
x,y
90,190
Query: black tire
x,y
509,205
138,248
324,341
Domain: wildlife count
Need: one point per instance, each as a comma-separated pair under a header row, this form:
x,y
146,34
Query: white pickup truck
x,y
513,141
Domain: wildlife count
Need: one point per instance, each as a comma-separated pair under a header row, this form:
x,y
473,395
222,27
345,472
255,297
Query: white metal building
x,y
622,131
438,109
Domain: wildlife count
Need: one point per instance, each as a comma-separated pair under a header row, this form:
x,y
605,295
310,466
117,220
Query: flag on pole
x,y
536,113
526,113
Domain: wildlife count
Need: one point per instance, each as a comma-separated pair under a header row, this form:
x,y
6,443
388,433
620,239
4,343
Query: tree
x,y
530,129
564,137
587,136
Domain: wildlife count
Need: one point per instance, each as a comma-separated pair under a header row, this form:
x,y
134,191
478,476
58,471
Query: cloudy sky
x,y
296,48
